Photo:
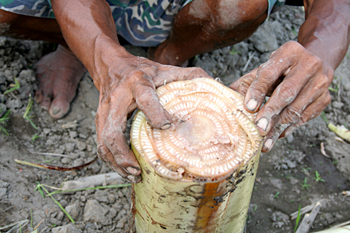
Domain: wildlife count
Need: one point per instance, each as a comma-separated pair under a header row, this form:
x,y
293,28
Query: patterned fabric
x,y
37,8
275,5
141,23
145,23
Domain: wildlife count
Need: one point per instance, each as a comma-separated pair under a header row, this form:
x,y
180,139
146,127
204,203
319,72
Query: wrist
x,y
108,61
328,69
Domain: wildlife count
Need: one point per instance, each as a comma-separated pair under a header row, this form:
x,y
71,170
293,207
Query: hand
x,y
132,85
298,81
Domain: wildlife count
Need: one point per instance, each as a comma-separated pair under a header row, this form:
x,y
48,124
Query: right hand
x,y
132,85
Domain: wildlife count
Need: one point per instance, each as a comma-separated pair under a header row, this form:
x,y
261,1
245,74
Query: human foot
x,y
58,75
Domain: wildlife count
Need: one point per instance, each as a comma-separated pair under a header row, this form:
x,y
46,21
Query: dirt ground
x,y
286,178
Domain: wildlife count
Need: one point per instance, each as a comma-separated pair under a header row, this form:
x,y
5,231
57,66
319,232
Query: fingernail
x,y
137,179
56,110
131,178
166,126
268,143
262,123
132,170
252,104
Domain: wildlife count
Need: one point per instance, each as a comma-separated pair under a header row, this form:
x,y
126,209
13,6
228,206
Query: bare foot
x,y
58,75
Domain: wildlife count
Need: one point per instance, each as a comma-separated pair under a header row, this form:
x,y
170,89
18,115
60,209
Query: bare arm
x,y
326,30
298,74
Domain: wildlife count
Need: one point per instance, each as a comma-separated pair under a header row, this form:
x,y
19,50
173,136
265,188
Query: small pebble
x,y
337,104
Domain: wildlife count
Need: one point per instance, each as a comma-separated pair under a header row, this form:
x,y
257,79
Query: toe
x,y
45,103
59,107
38,96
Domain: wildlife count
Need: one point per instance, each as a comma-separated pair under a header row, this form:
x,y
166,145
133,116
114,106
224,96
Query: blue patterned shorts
x,y
141,23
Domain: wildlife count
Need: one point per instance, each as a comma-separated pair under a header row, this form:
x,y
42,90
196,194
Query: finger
x,y
312,111
269,73
103,151
113,132
148,102
242,84
107,157
296,91
283,127
114,139
283,96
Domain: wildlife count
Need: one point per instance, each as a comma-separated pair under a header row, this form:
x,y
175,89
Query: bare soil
x,y
286,178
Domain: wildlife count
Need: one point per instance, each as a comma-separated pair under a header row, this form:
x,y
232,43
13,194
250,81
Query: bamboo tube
x,y
198,175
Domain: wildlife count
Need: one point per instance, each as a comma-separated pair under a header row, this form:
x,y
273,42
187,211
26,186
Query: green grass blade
x,y
298,219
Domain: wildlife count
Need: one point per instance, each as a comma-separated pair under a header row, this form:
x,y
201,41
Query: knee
x,y
233,13
7,18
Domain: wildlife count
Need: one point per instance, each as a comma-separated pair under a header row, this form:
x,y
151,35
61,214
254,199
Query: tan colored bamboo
x,y
198,175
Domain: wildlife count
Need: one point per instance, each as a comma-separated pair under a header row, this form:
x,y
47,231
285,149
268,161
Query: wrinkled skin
x,y
296,76
135,88
298,87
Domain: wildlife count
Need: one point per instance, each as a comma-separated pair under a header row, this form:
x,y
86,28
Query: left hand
x,y
297,81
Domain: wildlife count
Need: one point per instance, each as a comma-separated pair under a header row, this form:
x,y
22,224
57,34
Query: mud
x,y
280,186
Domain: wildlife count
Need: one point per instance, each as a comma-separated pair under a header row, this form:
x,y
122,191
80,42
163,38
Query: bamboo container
x,y
198,175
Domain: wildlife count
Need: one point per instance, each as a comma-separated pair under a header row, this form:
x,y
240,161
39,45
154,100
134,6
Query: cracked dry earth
x,y
280,186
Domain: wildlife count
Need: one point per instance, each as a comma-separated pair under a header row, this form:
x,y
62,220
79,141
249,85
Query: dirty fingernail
x,y
131,178
137,179
252,104
268,143
56,110
132,170
262,123
166,126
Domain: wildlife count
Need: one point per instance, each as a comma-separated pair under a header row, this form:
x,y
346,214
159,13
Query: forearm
x,y
89,30
326,30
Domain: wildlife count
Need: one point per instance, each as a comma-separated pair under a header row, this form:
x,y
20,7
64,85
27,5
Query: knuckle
x,y
270,110
257,91
288,91
323,81
315,62
243,88
321,86
303,119
293,45
328,98
146,98
291,115
102,153
266,70
135,76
